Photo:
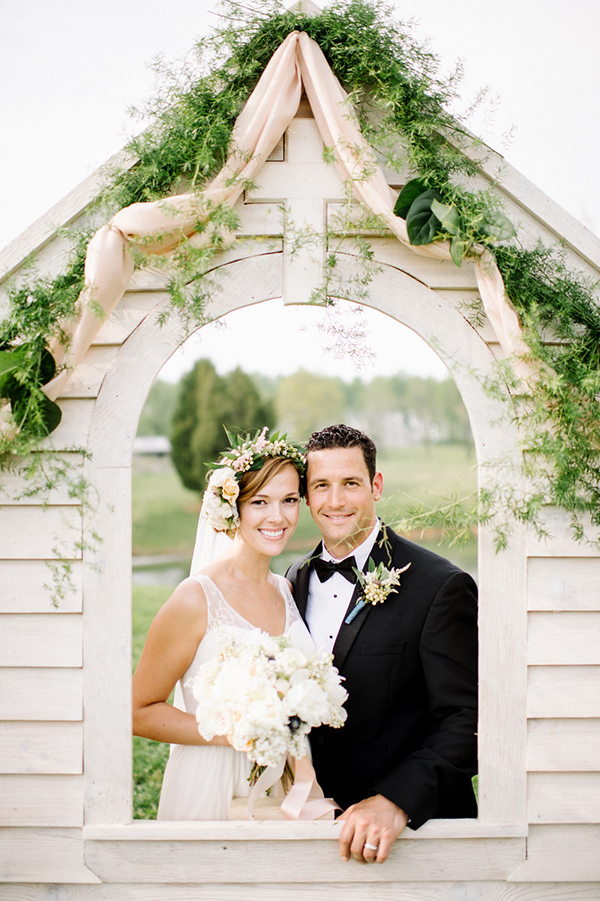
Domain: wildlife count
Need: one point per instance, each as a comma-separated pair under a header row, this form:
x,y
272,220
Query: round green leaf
x,y
497,226
458,248
407,196
448,216
47,366
422,224
21,402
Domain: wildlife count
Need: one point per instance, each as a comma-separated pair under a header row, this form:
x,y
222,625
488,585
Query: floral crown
x,y
219,505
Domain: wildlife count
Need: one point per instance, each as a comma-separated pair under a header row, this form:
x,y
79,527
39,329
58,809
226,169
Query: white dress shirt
x,y
328,601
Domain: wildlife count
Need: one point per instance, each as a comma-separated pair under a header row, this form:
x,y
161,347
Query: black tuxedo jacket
x,y
410,669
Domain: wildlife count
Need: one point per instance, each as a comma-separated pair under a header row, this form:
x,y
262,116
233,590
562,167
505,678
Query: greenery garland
x,y
401,102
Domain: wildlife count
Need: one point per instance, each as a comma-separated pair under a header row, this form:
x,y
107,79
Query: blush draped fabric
x,y
161,226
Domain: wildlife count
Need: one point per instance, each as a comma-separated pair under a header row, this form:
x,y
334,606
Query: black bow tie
x,y
325,568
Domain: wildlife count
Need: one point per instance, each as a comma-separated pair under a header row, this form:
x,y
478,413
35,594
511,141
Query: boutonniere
x,y
377,583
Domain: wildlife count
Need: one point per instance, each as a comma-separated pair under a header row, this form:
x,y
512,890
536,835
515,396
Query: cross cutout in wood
x,y
302,184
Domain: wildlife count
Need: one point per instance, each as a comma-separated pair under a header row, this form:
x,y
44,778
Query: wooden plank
x,y
238,861
133,307
563,583
502,649
43,639
86,380
429,271
43,856
562,854
259,218
563,745
16,488
74,426
347,891
151,282
49,261
563,691
41,800
287,830
39,533
348,219
562,639
44,748
463,300
107,653
560,542
41,694
563,797
27,588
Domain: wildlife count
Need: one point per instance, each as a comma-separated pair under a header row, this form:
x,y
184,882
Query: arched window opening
x,y
313,367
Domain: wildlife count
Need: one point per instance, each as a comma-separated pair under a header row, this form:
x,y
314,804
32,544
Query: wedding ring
x,y
370,847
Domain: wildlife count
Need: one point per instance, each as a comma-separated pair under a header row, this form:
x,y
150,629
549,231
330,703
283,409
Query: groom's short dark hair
x,y
345,436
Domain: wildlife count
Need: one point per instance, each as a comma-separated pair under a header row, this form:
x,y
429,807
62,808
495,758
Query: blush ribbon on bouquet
x,y
305,799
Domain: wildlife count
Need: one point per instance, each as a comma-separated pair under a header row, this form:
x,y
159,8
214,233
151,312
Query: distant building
x,y
151,445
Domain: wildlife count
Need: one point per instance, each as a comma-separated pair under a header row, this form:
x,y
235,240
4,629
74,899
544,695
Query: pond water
x,y
159,570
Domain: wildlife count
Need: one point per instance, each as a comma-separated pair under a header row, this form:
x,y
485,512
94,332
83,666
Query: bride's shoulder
x,y
188,599
184,613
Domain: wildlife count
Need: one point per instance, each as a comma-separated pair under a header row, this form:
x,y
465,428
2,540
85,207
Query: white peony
x,y
265,694
308,701
336,692
223,517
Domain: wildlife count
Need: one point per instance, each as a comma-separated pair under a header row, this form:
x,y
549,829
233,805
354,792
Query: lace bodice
x,y
220,612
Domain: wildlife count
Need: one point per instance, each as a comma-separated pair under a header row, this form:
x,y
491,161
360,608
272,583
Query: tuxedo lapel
x,y
346,637
301,582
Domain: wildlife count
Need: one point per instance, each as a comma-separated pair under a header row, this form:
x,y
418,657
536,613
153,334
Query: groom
x,y
408,749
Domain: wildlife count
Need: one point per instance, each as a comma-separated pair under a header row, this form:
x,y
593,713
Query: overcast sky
x,y
69,69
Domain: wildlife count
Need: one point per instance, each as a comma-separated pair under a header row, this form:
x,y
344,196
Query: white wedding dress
x,y
201,780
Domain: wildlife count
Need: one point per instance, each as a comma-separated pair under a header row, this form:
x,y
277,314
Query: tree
x,y
159,409
307,402
207,404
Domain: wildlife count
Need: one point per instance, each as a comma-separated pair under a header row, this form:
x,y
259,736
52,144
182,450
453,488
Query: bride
x,y
254,496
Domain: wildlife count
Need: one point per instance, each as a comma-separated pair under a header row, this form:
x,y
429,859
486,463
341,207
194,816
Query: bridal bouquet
x,y
266,695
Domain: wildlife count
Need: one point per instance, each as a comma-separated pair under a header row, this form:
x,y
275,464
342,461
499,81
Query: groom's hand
x,y
375,821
